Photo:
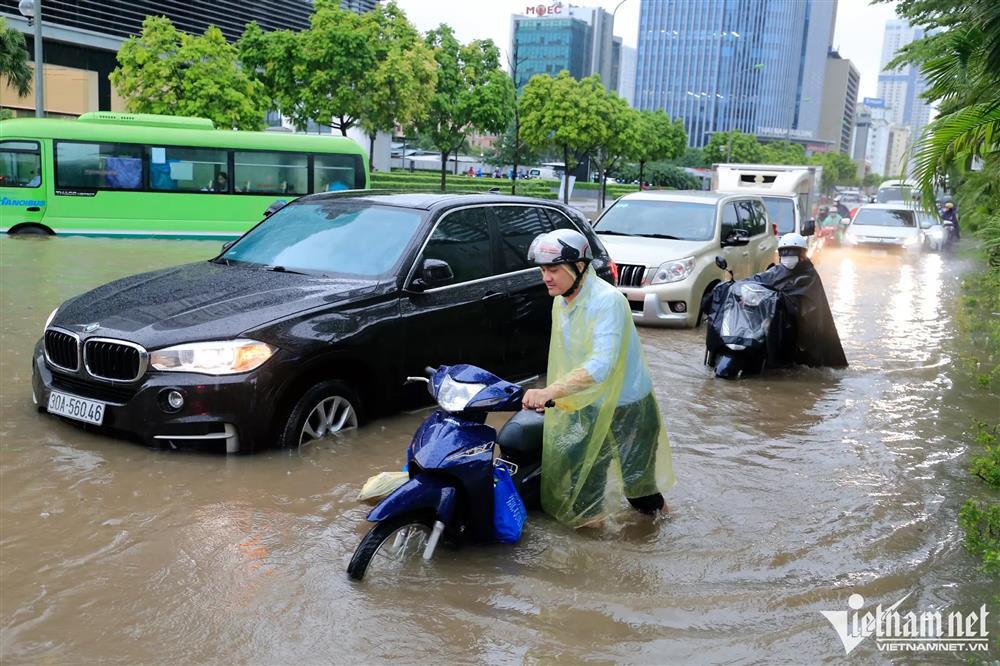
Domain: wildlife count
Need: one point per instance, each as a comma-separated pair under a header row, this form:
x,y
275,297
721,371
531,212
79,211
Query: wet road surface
x,y
794,491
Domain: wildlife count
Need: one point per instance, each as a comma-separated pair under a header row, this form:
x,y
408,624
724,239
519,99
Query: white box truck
x,y
789,191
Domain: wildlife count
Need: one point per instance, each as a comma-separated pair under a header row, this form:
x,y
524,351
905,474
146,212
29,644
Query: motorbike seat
x,y
521,436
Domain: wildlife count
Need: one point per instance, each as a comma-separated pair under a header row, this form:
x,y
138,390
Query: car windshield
x,y
329,237
781,211
679,220
884,217
888,194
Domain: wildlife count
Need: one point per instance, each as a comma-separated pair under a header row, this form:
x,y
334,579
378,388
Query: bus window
x,y
98,166
337,172
271,173
20,164
188,169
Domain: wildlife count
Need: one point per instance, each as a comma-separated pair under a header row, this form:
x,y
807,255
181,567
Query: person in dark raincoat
x,y
807,333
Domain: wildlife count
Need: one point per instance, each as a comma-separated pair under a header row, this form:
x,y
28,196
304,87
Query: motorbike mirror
x,y
809,227
721,263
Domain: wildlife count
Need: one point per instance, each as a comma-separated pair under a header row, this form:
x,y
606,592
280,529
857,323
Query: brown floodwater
x,y
794,491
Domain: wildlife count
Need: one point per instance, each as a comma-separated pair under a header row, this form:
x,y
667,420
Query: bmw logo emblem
x,y
90,328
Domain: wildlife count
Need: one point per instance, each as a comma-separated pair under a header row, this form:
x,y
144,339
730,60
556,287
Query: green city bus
x,y
149,175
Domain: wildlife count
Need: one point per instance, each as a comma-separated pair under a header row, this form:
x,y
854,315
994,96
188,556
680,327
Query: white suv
x,y
665,244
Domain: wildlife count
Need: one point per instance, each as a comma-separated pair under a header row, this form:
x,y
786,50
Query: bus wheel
x,y
30,230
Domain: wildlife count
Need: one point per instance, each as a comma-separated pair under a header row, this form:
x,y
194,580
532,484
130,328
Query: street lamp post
x,y
32,10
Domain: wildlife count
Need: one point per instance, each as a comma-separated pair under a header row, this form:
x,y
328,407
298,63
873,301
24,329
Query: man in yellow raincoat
x,y
604,439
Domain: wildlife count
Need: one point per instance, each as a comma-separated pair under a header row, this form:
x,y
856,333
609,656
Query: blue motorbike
x,y
450,462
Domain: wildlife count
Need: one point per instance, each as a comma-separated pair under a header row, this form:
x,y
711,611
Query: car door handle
x,y
492,296
746,253
763,247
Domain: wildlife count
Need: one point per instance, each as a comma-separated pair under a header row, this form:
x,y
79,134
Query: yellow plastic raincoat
x,y
604,438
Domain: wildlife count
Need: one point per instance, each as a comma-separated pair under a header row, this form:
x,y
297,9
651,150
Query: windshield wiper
x,y
664,236
281,269
611,233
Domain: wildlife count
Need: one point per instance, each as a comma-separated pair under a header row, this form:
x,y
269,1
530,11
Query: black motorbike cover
x,y
814,338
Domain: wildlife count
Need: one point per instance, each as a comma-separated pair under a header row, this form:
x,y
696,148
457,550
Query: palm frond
x,y
970,132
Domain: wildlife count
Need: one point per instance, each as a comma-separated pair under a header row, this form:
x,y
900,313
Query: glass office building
x,y
548,46
752,65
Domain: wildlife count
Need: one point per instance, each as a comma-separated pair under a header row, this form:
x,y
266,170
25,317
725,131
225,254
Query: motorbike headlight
x,y
454,396
673,271
52,315
221,357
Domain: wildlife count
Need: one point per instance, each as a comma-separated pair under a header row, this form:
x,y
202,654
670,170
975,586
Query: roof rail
x,y
147,119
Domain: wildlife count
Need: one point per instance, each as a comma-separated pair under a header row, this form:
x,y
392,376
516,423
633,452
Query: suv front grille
x,y
630,275
115,360
62,349
86,389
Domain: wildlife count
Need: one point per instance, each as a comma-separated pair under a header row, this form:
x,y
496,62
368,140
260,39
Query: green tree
x,y
403,79
471,93
838,169
168,72
14,68
660,139
509,148
783,152
734,147
872,180
564,113
694,158
621,138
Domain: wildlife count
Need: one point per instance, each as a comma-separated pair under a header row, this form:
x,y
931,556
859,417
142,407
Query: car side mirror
x,y
809,227
721,263
736,237
228,244
433,273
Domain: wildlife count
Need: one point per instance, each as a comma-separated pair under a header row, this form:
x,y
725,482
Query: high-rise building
x,y
626,75
840,96
577,39
902,87
81,38
751,65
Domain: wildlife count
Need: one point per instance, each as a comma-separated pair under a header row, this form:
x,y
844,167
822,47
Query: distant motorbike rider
x,y
828,223
948,214
808,333
842,210
605,416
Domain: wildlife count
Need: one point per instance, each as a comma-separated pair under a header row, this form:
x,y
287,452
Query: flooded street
x,y
794,491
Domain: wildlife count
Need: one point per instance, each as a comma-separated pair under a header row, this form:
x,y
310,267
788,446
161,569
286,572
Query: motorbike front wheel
x,y
390,544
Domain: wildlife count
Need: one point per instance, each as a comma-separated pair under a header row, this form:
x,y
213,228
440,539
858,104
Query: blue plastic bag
x,y
509,512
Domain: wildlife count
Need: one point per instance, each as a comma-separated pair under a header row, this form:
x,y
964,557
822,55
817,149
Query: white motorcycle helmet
x,y
562,246
791,249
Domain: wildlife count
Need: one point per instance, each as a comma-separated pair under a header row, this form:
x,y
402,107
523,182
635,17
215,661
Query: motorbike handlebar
x,y
429,370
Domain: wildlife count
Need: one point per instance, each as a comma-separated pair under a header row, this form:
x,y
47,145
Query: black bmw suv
x,y
309,323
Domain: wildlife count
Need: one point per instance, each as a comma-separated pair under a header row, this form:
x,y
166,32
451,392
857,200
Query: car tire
x,y
326,409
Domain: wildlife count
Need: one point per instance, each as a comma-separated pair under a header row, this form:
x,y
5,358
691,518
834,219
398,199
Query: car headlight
x,y
52,315
673,271
221,357
911,241
850,237
454,396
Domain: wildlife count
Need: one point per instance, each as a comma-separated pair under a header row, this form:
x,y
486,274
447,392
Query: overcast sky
x,y
857,35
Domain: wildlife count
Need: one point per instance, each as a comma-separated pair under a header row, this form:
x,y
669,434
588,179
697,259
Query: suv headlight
x,y
221,357
673,271
52,315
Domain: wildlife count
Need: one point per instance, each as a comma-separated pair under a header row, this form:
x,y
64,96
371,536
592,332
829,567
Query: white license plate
x,y
81,409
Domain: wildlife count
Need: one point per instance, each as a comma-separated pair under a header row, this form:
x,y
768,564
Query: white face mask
x,y
789,262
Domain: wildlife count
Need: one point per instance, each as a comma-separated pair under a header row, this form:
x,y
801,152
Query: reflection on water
x,y
794,490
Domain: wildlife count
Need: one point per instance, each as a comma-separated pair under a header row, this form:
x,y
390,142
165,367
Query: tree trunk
x,y
371,152
444,167
642,169
604,187
566,175
343,126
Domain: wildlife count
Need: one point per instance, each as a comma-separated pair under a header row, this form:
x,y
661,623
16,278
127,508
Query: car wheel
x,y
324,411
